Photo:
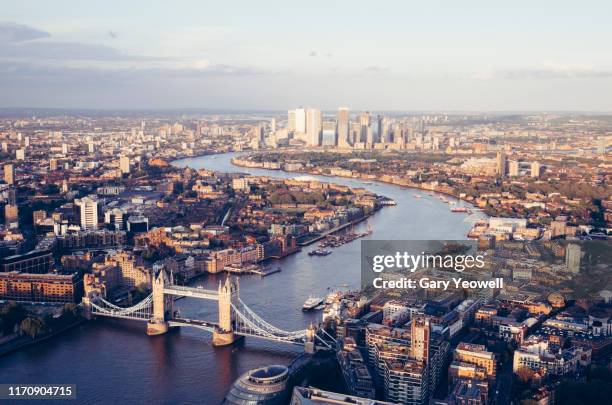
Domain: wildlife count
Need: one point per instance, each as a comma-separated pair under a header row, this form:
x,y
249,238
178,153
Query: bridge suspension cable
x,y
141,311
248,313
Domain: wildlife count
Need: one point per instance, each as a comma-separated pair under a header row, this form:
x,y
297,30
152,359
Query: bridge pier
x,y
157,328
224,338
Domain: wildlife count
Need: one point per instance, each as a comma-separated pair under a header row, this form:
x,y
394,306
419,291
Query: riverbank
x,y
20,342
361,176
336,229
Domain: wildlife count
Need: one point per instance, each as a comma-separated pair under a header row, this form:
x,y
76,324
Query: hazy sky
x,y
388,55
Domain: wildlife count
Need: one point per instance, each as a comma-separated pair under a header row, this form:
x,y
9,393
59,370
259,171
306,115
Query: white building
x,y
89,213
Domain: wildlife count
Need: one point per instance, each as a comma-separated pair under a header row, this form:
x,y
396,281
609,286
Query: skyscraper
x,y
343,126
364,121
88,213
502,162
328,135
313,126
291,120
300,120
9,174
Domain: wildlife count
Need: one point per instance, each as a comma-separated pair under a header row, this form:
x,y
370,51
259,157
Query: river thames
x,y
114,361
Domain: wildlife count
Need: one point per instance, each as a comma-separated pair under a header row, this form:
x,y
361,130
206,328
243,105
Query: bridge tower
x,y
228,294
162,306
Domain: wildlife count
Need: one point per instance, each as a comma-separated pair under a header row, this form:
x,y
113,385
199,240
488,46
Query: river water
x,y
113,361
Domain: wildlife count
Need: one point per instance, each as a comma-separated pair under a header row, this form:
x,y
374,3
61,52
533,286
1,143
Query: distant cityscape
x,y
103,217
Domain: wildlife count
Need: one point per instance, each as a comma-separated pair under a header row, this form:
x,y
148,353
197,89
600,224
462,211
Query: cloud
x,y
546,72
25,50
15,33
375,68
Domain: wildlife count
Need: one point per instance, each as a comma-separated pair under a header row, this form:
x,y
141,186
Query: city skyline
x,y
401,57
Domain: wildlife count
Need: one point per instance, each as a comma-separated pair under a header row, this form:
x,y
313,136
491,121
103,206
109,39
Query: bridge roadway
x,y
194,292
195,323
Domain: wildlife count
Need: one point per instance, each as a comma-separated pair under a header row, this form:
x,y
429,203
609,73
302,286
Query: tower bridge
x,y
235,320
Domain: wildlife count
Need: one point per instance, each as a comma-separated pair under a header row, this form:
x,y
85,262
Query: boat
x,y
319,252
418,196
459,209
311,303
367,182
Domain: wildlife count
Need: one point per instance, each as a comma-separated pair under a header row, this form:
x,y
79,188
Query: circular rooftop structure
x,y
262,386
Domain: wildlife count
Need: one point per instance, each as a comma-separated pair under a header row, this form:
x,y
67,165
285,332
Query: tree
x,y
524,374
32,326
70,310
11,314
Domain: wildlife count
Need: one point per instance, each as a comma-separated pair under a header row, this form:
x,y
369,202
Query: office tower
x,y
20,154
378,133
65,149
53,164
9,174
4,147
114,217
300,120
273,125
364,121
328,137
573,254
535,169
26,141
291,120
419,339
88,213
90,147
513,168
313,126
398,137
502,162
343,127
124,164
355,133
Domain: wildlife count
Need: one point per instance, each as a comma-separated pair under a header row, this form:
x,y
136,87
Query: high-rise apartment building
x,y
9,174
419,339
573,254
124,164
535,169
513,168
88,213
501,163
406,383
11,216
